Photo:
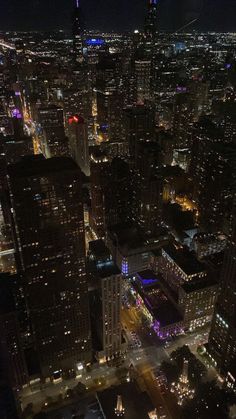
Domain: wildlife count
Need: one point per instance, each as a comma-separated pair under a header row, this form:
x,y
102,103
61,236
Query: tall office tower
x,y
181,120
109,95
105,299
78,139
212,168
198,98
151,19
118,194
99,171
15,148
78,94
143,76
139,124
11,344
47,206
148,185
54,142
222,339
77,31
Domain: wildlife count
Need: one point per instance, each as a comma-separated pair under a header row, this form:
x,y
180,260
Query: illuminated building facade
x,y
78,140
151,19
105,302
99,172
196,302
14,367
143,75
148,185
46,197
155,305
53,141
222,339
178,266
139,124
15,148
77,31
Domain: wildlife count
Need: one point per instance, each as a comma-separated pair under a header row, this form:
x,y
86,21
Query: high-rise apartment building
x,y
50,240
105,301
222,339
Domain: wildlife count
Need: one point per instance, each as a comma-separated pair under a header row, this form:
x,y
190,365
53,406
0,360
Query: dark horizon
x,y
40,15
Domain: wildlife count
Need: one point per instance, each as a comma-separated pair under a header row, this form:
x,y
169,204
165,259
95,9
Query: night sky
x,y
114,15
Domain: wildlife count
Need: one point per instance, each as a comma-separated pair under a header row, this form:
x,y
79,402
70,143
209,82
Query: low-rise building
x,y
131,250
206,244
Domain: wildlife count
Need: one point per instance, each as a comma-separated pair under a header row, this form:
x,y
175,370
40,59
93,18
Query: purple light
x,y
77,4
228,66
181,89
16,113
17,93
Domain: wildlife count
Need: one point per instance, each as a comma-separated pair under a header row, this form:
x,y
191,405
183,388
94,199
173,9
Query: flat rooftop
x,y
185,259
137,404
37,165
107,269
194,286
129,238
167,314
157,302
147,278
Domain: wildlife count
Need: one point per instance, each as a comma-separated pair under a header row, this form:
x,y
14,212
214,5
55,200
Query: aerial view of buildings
x,y
118,211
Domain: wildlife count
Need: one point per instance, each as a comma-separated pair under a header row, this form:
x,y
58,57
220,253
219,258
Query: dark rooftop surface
x,y
147,278
136,404
7,302
98,248
39,166
193,286
167,314
185,259
155,299
107,269
129,237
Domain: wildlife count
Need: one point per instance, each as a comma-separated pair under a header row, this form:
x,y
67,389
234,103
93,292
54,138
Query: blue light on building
x,y
95,42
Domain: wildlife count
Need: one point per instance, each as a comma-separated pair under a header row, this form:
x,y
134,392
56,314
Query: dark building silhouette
x,y
48,214
77,31
151,19
54,142
78,139
222,339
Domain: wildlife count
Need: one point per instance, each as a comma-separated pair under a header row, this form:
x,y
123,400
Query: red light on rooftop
x,y
76,119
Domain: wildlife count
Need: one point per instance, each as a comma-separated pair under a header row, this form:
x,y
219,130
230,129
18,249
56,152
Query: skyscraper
x,y
151,19
222,339
105,301
78,139
54,142
50,239
77,33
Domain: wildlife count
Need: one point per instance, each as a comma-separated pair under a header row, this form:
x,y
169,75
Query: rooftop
x,y
37,165
167,314
147,278
194,286
185,259
107,269
130,239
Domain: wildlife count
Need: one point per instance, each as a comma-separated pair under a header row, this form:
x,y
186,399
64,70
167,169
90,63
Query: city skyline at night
x,y
117,209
